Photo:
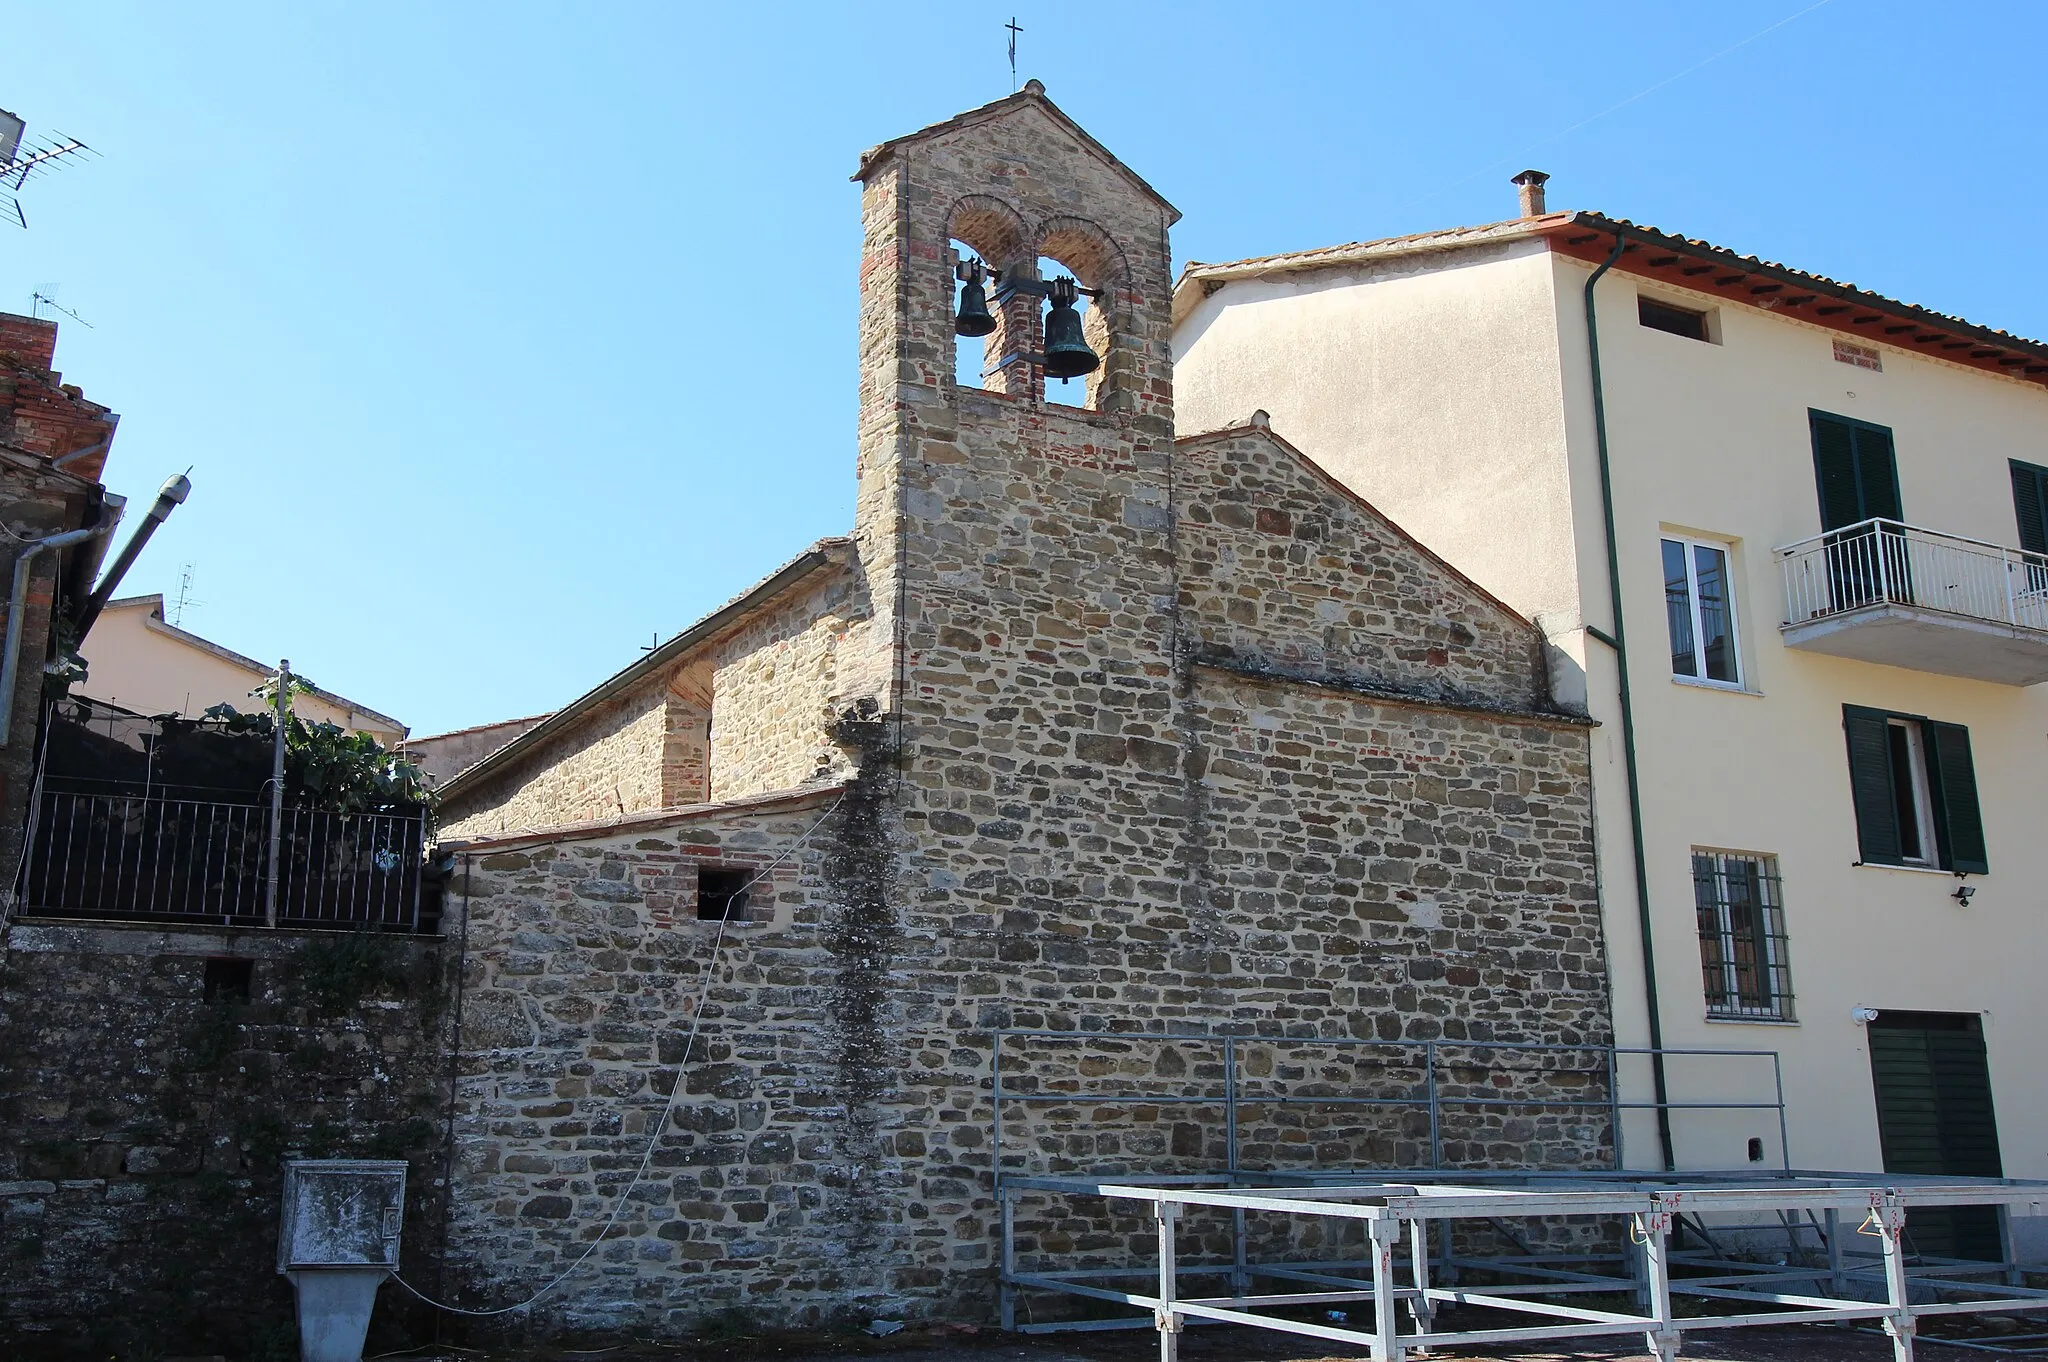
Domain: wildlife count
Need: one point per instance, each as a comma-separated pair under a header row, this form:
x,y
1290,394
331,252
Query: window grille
x,y
1742,935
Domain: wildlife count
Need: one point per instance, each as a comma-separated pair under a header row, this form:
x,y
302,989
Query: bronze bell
x,y
973,317
1066,354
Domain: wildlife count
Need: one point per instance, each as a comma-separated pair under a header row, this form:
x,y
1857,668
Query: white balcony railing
x,y
1876,564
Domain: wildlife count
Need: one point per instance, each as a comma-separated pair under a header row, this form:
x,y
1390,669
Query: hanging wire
x,y
661,1124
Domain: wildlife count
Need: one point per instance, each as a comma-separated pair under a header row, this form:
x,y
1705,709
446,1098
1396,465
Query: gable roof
x,y
1683,262
155,623
1259,423
822,554
1031,96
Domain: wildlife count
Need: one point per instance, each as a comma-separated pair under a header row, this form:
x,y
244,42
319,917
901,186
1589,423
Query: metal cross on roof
x,y
1014,31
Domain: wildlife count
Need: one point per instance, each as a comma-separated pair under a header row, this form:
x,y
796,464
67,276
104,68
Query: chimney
x,y
28,340
1531,184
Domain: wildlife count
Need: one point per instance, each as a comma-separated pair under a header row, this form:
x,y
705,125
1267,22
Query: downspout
x,y
168,498
1619,643
17,606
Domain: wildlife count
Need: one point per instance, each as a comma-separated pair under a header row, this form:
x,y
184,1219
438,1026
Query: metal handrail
x,y
1430,1097
1873,522
153,858
1880,562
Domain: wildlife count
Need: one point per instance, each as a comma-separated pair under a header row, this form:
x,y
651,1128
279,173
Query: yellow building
x,y
1827,512
137,660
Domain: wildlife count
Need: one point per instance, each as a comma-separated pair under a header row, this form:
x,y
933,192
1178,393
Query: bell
x,y
973,317
1066,354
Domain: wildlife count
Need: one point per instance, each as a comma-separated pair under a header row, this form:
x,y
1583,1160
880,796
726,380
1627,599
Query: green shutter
x,y
1958,819
2030,505
1834,471
1877,473
1870,785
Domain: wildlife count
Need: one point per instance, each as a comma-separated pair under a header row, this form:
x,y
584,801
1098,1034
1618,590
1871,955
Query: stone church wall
x,y
615,762
774,687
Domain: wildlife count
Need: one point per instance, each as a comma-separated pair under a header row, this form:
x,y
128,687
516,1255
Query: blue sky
x,y
501,338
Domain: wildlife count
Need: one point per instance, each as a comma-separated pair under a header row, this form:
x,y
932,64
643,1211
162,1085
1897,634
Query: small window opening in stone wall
x,y
722,893
228,980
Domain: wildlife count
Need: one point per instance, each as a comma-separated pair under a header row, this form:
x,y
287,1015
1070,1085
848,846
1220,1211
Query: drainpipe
x,y
17,606
168,498
1619,643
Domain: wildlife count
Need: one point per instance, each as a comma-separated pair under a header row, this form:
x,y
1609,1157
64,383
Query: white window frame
x,y
1923,795
1692,594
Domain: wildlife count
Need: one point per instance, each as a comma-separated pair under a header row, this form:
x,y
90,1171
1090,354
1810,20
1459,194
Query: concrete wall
x,y
1713,439
1491,459
138,662
142,1126
1430,385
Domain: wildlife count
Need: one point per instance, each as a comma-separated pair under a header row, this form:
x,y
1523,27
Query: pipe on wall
x,y
1618,641
168,498
17,606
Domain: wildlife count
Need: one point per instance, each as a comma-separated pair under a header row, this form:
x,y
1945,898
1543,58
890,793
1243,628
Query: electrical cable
x,y
661,1123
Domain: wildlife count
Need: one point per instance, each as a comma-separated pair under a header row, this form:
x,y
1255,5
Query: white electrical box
x,y
341,1213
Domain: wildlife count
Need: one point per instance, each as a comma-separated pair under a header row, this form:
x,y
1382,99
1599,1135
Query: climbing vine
x,y
327,766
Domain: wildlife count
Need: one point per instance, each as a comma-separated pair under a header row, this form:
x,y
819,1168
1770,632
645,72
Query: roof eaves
x,y
1196,276
1960,327
774,801
874,157
157,624
817,556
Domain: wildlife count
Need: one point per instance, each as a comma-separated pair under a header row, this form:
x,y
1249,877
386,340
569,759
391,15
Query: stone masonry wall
x,y
143,1125
613,763
1284,569
774,690
1091,792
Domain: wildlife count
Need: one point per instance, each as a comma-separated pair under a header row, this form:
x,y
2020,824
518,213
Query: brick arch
x,y
1098,263
998,233
993,228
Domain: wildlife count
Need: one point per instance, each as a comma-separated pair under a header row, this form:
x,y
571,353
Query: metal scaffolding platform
x,y
1410,1225
1088,1124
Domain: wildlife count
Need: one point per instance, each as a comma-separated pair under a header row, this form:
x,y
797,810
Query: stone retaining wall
x,y
143,1125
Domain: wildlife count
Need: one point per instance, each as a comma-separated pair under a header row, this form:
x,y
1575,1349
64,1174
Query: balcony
x,y
1880,591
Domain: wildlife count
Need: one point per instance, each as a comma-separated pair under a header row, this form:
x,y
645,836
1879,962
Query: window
x,y
1914,786
1679,321
1742,935
227,979
1857,476
1854,469
2030,509
1699,604
722,893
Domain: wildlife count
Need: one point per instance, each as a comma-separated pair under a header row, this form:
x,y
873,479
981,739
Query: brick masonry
x,y
1132,734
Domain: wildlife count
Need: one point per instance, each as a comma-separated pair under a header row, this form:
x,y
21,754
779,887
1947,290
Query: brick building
x,y
53,446
1089,725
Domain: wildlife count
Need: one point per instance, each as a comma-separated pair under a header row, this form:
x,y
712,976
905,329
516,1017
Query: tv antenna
x,y
23,158
1014,31
185,597
43,299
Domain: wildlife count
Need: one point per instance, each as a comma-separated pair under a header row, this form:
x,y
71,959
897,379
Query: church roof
x,y
1032,95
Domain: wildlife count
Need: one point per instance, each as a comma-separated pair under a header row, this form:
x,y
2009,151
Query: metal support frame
x,y
1231,1096
1842,1286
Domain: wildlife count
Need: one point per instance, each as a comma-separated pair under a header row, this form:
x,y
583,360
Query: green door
x,y
1934,1116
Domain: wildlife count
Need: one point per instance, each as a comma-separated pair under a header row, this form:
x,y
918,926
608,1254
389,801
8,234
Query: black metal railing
x,y
150,858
